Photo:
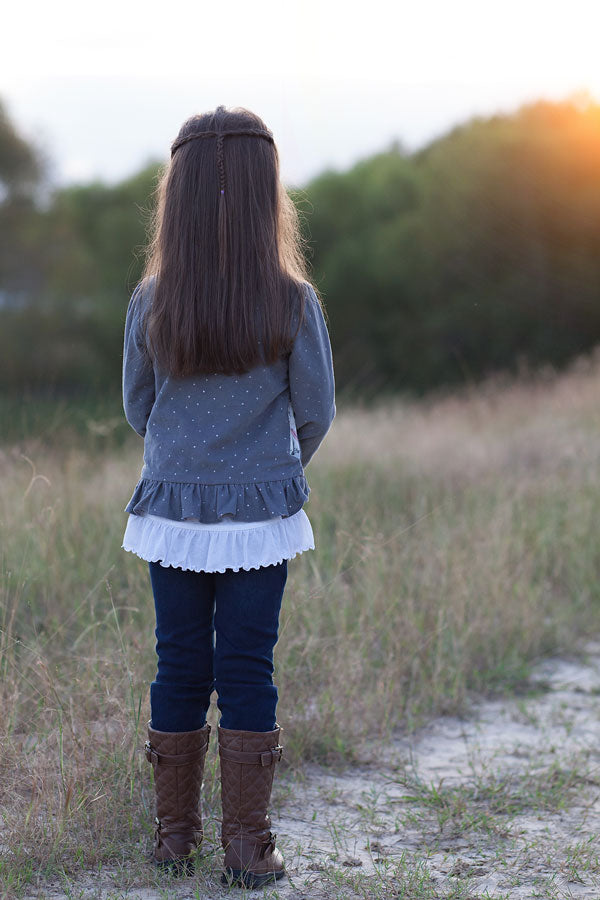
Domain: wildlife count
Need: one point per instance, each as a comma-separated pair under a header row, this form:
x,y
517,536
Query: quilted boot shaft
x,y
178,762
248,760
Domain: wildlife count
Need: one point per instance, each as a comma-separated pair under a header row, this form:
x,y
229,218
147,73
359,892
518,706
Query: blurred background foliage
x,y
478,253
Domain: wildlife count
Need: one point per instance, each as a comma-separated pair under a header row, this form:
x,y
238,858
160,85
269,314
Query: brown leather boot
x,y
178,761
247,767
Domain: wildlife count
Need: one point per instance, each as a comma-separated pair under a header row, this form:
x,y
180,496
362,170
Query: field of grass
x,y
457,542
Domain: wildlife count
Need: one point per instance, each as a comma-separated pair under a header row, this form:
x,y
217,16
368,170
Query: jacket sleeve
x,y
138,372
312,384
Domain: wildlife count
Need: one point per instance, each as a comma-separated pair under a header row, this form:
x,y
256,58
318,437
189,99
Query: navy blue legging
x,y
215,631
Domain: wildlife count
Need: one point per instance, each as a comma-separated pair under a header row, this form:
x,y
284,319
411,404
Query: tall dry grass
x,y
456,542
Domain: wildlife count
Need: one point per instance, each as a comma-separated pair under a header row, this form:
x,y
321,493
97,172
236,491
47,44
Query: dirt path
x,y
505,804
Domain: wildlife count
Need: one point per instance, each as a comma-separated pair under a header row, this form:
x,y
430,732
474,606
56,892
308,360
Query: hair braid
x,y
222,219
221,163
245,132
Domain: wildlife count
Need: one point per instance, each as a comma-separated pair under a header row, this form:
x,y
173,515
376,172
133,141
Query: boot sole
x,y
249,880
179,868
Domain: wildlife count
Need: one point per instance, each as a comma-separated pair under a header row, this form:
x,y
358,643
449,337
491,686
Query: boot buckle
x,y
270,756
151,754
269,845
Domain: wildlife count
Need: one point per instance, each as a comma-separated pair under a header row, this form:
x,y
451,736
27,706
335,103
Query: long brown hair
x,y
225,250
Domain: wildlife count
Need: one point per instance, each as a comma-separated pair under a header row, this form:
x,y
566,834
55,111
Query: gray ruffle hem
x,y
247,502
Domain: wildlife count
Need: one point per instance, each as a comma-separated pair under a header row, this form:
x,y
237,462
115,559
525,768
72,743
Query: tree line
x,y
477,253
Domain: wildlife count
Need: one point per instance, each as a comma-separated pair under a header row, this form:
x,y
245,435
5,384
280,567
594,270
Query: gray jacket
x,y
228,445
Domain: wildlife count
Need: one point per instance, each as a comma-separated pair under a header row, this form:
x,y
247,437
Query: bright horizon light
x,y
106,90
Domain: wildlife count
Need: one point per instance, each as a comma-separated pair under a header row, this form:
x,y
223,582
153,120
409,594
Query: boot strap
x,y
269,845
259,758
263,843
176,827
181,759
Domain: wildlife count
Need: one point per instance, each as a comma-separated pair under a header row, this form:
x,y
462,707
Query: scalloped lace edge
x,y
189,568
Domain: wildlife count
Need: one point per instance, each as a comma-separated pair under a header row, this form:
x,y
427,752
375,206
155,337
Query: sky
x,y
105,87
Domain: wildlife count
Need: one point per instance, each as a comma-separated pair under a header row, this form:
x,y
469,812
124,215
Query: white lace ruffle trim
x,y
202,547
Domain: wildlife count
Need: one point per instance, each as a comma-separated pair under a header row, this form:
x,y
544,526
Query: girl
x,y
228,377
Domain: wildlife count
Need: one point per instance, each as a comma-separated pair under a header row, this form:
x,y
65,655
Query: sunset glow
x,y
105,91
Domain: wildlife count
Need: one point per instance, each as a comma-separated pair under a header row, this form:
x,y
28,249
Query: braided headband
x,y
250,132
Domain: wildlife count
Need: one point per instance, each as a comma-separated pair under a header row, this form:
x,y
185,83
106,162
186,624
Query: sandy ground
x,y
504,803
